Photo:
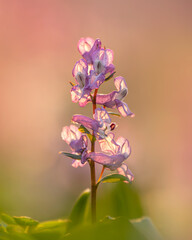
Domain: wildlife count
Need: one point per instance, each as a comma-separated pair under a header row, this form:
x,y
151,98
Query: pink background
x,y
152,43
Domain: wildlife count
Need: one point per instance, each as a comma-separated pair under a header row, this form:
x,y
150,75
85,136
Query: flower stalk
x,y
92,168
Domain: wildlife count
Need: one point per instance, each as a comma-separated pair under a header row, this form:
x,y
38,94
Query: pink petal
x,y
120,83
102,116
109,145
124,146
76,93
70,133
123,108
77,163
85,97
80,66
125,171
104,55
85,45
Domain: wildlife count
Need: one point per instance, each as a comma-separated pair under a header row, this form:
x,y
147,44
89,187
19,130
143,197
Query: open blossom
x,y
118,151
90,72
114,99
77,142
87,46
102,61
101,124
85,82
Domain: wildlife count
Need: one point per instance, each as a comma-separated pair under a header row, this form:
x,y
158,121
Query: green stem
x,y
92,168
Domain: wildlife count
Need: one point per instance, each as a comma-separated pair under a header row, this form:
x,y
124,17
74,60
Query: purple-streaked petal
x,y
87,46
96,47
86,122
85,97
102,116
125,171
109,145
103,55
106,99
96,80
124,146
111,162
109,69
123,108
80,66
102,61
76,93
120,83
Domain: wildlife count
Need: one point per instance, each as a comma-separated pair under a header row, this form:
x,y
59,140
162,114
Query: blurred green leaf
x,y
70,155
14,229
119,200
48,235
113,178
146,227
78,212
59,223
2,228
15,236
109,228
25,221
7,219
49,230
85,130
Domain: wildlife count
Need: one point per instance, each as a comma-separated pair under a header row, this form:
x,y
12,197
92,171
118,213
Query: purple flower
x,y
87,46
101,124
114,99
102,61
85,82
118,151
77,142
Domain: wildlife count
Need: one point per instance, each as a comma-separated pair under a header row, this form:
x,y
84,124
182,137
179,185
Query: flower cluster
x,y
94,68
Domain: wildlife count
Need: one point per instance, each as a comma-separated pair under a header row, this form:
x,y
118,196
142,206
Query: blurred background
x,y
152,44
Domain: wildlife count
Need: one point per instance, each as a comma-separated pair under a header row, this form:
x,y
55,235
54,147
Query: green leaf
x,y
52,224
25,221
115,114
85,130
7,219
70,155
78,212
110,76
113,178
146,227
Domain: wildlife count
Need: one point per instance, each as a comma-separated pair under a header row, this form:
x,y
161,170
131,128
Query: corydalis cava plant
x,y
93,69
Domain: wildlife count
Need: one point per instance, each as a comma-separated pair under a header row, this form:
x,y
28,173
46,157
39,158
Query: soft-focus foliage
x,y
78,226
